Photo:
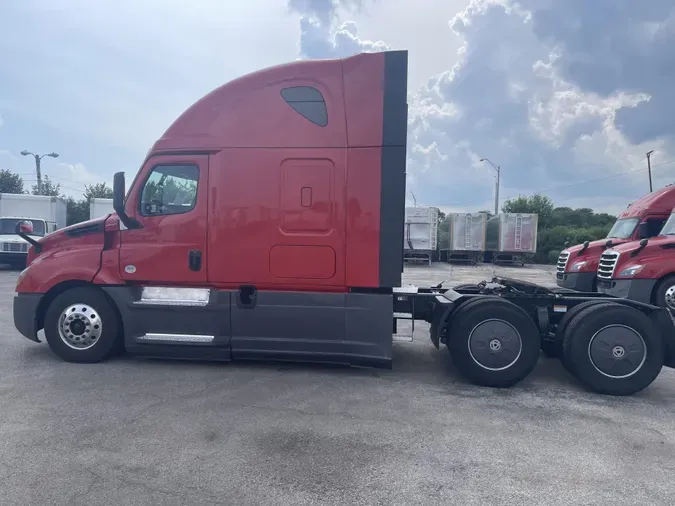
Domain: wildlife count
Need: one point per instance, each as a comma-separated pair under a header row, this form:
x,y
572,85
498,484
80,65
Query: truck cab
x,y
643,270
577,265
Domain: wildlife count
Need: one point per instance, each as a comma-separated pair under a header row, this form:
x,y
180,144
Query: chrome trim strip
x,y
176,338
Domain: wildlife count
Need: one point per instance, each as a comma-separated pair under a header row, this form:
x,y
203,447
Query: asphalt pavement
x,y
133,431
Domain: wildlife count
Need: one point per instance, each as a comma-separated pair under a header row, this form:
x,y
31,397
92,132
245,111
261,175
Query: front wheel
x,y
664,295
81,325
493,342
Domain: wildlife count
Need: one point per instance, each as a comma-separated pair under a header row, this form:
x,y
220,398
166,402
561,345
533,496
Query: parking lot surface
x,y
132,431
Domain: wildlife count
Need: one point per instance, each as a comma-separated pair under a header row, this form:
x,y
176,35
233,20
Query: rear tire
x,y
81,325
613,349
493,342
555,348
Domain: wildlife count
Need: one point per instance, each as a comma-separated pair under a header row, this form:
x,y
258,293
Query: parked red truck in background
x,y
643,271
577,265
267,223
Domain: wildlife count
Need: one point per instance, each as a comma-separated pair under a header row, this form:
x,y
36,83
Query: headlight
x,y
631,271
578,265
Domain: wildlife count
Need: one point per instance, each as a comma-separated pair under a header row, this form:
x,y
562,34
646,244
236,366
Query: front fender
x,y
50,269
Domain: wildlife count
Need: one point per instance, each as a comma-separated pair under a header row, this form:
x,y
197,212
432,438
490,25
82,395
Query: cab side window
x,y
654,225
170,189
308,102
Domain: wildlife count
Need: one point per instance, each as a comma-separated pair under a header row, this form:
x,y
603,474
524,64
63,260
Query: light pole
x,y
37,166
649,168
496,167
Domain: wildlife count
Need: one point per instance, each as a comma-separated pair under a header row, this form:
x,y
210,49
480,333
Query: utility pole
x,y
649,168
37,166
498,169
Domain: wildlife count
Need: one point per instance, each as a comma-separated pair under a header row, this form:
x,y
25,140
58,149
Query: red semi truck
x,y
266,223
643,271
577,265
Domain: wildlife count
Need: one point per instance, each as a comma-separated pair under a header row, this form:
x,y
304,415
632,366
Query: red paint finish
x,y
363,217
158,251
657,258
256,205
250,113
364,99
302,262
63,258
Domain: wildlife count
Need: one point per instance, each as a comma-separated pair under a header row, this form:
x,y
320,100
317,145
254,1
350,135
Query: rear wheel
x,y
493,342
81,325
554,348
613,349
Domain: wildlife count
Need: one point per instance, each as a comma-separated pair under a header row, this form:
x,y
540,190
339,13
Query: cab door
x,y
168,199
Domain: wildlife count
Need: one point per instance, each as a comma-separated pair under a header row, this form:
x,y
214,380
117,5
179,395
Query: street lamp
x,y
649,168
37,166
496,167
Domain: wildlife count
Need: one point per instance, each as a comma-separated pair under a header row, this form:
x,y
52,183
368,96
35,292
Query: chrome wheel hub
x,y
80,326
670,298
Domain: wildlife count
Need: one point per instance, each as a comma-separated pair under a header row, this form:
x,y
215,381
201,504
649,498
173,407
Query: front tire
x,y
664,295
81,325
493,342
613,349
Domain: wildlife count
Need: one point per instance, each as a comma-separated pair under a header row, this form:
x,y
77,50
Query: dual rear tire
x,y
610,348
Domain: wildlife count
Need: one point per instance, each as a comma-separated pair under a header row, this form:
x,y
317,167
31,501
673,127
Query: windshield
x,y
623,229
8,226
669,227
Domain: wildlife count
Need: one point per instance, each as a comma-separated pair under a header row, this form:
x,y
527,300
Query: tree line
x,y
557,225
77,209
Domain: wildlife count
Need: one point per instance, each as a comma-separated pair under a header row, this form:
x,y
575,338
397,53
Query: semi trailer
x,y
577,265
421,234
283,239
466,237
510,237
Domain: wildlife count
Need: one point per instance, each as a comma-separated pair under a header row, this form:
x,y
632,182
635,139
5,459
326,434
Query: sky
x,y
566,96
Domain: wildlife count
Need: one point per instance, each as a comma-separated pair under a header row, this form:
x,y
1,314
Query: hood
x,y
594,247
95,226
660,241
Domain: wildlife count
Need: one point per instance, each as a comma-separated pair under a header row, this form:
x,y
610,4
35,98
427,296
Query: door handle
x,y
195,260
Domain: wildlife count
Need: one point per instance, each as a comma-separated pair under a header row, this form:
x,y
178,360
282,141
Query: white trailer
x,y
510,236
45,213
99,207
466,237
420,234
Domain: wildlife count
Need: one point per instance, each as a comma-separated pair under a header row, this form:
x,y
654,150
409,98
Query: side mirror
x,y
119,192
567,243
22,229
644,242
643,230
25,227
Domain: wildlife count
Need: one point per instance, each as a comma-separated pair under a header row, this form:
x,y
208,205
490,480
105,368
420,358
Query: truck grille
x,y
15,247
608,262
562,264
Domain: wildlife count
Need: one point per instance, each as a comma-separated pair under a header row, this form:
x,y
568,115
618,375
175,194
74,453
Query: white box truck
x,y
46,214
99,208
